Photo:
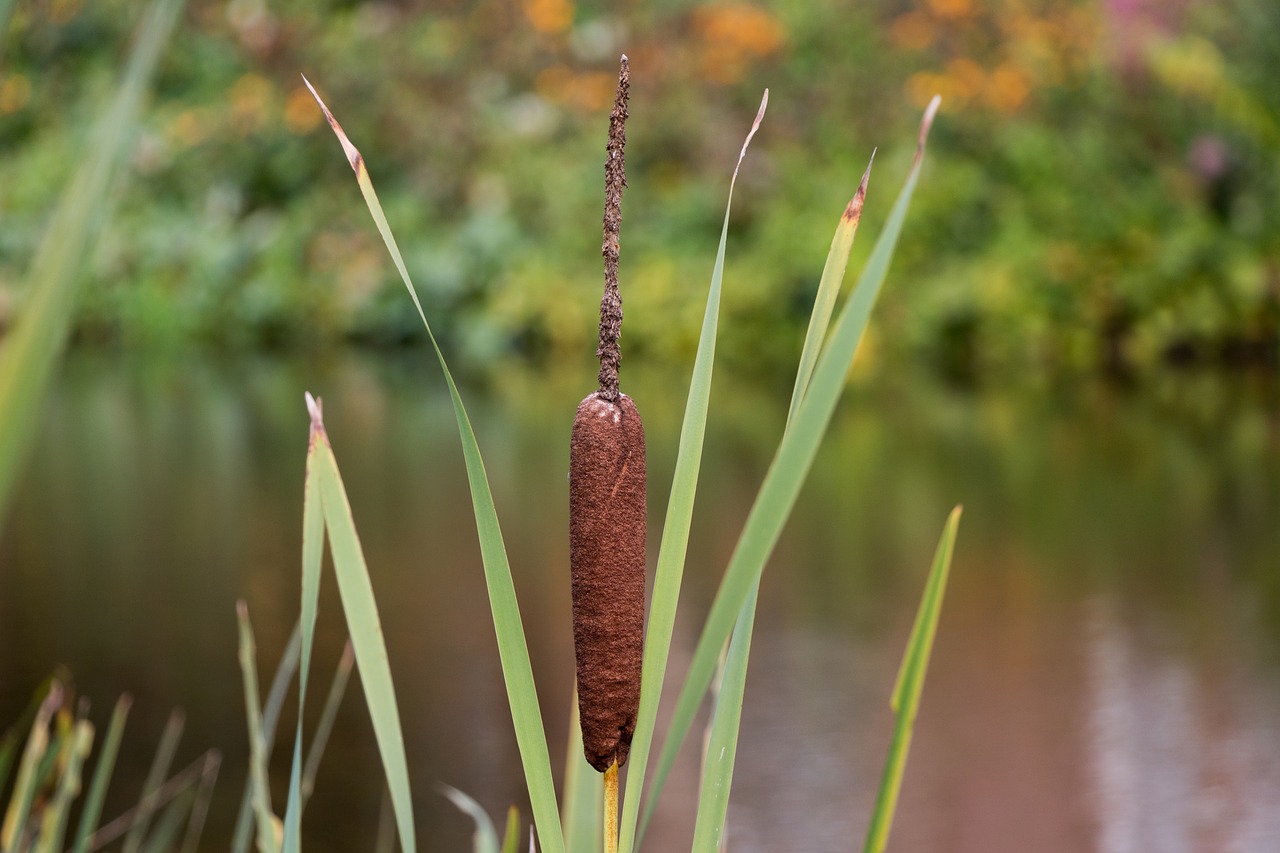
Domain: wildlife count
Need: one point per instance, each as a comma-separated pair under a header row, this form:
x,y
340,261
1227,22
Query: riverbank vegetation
x,y
1104,181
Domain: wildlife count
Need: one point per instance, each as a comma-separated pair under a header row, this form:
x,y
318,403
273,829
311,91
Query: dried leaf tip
x,y
755,125
353,156
925,124
615,179
315,408
853,212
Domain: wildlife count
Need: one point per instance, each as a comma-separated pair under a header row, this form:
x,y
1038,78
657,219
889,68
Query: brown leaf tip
x,y
315,408
353,156
925,124
853,212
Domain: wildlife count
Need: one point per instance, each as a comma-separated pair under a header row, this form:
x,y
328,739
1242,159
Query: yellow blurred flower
x,y
189,128
301,113
1008,88
912,31
586,91
250,98
62,11
15,91
965,79
951,9
549,17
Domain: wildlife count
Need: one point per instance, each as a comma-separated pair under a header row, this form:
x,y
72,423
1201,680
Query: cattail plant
x,y
607,517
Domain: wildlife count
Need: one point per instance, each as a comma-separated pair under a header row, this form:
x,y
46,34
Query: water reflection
x,y
1106,672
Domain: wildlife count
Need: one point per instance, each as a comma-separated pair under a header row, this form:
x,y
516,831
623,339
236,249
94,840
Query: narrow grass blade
x,y
513,650
267,841
365,629
200,809
583,798
24,786
31,350
675,531
786,474
92,810
312,555
385,842
722,742
511,838
171,822
202,771
74,748
328,716
910,683
285,669
485,839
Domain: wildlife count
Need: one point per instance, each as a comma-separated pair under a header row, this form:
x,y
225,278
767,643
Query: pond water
x,y
1107,668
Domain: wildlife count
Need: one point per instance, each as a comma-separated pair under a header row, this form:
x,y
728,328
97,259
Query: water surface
x,y
1107,668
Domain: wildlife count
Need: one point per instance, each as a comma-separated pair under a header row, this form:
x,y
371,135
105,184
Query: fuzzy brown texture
x,y
615,178
607,557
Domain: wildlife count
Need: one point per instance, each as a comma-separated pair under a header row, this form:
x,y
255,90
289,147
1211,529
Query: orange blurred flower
x,y
730,35
912,31
549,17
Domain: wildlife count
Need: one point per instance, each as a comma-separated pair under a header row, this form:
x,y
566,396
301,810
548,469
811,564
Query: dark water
x,y
1107,669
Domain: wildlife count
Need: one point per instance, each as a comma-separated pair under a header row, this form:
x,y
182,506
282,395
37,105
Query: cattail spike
x,y
615,179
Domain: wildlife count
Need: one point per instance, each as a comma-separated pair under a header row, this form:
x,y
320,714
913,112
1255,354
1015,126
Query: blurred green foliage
x,y
1102,190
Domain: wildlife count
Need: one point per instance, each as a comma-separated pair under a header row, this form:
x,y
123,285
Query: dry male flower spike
x,y
607,511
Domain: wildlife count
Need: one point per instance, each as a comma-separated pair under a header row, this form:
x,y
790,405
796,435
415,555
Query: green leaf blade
x,y
785,476
675,532
910,684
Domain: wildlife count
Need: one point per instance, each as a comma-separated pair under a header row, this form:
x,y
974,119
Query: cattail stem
x,y
611,809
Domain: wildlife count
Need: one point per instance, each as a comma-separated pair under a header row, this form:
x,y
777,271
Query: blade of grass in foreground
x,y
363,625
156,776
30,351
675,531
513,650
910,683
312,555
92,811
786,474
722,742
485,838
270,718
76,743
267,842
583,800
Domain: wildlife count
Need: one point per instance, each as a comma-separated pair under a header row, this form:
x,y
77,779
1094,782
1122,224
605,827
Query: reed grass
x,y
31,350
57,747
827,355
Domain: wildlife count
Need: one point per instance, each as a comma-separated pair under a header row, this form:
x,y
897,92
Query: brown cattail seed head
x,y
607,558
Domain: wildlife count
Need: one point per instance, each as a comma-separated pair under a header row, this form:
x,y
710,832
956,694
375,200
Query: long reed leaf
x,y
910,683
30,351
675,530
511,838
312,555
364,627
583,800
513,650
785,476
271,709
722,741
267,841
92,810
